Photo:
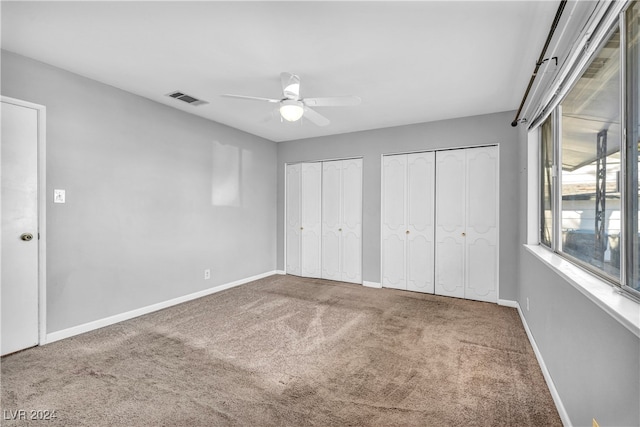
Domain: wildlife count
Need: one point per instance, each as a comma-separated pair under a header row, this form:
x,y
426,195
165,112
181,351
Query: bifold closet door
x,y
294,220
304,184
407,222
482,224
342,220
467,223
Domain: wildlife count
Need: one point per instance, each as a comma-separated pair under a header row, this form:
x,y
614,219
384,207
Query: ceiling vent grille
x,y
191,100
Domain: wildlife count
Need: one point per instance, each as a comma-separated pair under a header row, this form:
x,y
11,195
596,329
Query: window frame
x,y
613,23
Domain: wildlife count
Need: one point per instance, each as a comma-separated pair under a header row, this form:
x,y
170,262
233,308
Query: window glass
x,y
633,139
590,157
546,182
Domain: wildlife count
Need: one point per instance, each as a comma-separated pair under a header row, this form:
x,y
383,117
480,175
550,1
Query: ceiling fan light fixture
x,y
291,111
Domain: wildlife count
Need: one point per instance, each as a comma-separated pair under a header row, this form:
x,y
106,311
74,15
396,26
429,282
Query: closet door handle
x,y
407,232
339,229
464,234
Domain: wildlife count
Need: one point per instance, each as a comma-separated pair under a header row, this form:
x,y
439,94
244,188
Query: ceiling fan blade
x,y
290,85
333,101
315,117
252,98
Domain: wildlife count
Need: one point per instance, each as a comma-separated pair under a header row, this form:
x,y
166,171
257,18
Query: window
x,y
588,170
590,158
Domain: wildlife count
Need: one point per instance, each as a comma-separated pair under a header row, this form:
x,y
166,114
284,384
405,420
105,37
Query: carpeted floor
x,y
291,351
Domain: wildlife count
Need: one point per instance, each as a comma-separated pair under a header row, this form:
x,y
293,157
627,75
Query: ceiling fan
x,y
292,107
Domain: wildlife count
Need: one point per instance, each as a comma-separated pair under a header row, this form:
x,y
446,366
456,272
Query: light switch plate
x,y
58,196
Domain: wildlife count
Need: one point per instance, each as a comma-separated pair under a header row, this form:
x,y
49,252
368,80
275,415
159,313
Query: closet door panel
x,y
311,219
293,219
420,232
351,229
482,224
450,222
450,267
482,271
352,258
394,222
331,220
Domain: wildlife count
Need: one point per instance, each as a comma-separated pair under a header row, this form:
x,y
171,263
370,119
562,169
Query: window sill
x,y
604,295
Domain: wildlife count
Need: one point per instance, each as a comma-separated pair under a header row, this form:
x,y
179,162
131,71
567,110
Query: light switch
x,y
58,196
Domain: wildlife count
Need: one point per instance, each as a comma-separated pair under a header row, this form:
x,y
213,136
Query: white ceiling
x,y
410,62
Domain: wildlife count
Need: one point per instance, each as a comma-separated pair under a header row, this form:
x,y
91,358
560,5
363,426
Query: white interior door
x,y
331,220
394,221
311,213
450,223
19,158
351,229
420,213
482,224
294,224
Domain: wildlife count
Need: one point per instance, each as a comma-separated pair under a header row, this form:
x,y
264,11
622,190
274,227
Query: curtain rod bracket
x,y
555,58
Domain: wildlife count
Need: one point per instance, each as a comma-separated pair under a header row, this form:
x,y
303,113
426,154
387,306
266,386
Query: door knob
x,y
407,232
464,234
26,236
301,228
339,229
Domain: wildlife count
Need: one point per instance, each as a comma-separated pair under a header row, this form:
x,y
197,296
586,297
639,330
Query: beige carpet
x,y
290,351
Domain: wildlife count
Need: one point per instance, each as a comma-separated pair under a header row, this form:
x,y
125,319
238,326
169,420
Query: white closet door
x,y
311,236
293,219
450,223
331,220
351,229
482,224
420,232
394,196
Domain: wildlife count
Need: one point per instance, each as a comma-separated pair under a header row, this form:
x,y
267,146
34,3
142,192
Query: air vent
x,y
186,98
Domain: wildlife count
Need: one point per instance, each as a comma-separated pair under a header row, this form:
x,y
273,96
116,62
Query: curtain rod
x,y
541,59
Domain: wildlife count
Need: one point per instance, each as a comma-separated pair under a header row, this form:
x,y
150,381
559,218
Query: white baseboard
x,y
508,303
101,323
564,416
281,272
371,284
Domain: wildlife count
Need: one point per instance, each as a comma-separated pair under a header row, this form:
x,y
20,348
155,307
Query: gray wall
x,y
477,130
594,360
154,196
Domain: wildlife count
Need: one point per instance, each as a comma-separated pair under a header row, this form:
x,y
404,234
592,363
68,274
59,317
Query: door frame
x,y
435,150
42,212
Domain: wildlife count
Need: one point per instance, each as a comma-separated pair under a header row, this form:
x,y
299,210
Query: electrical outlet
x,y
527,303
207,274
595,423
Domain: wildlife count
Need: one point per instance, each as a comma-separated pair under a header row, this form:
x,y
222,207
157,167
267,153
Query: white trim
x,y
324,160
371,284
381,225
42,211
281,272
428,150
284,224
498,197
603,294
101,323
507,303
564,416
533,187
